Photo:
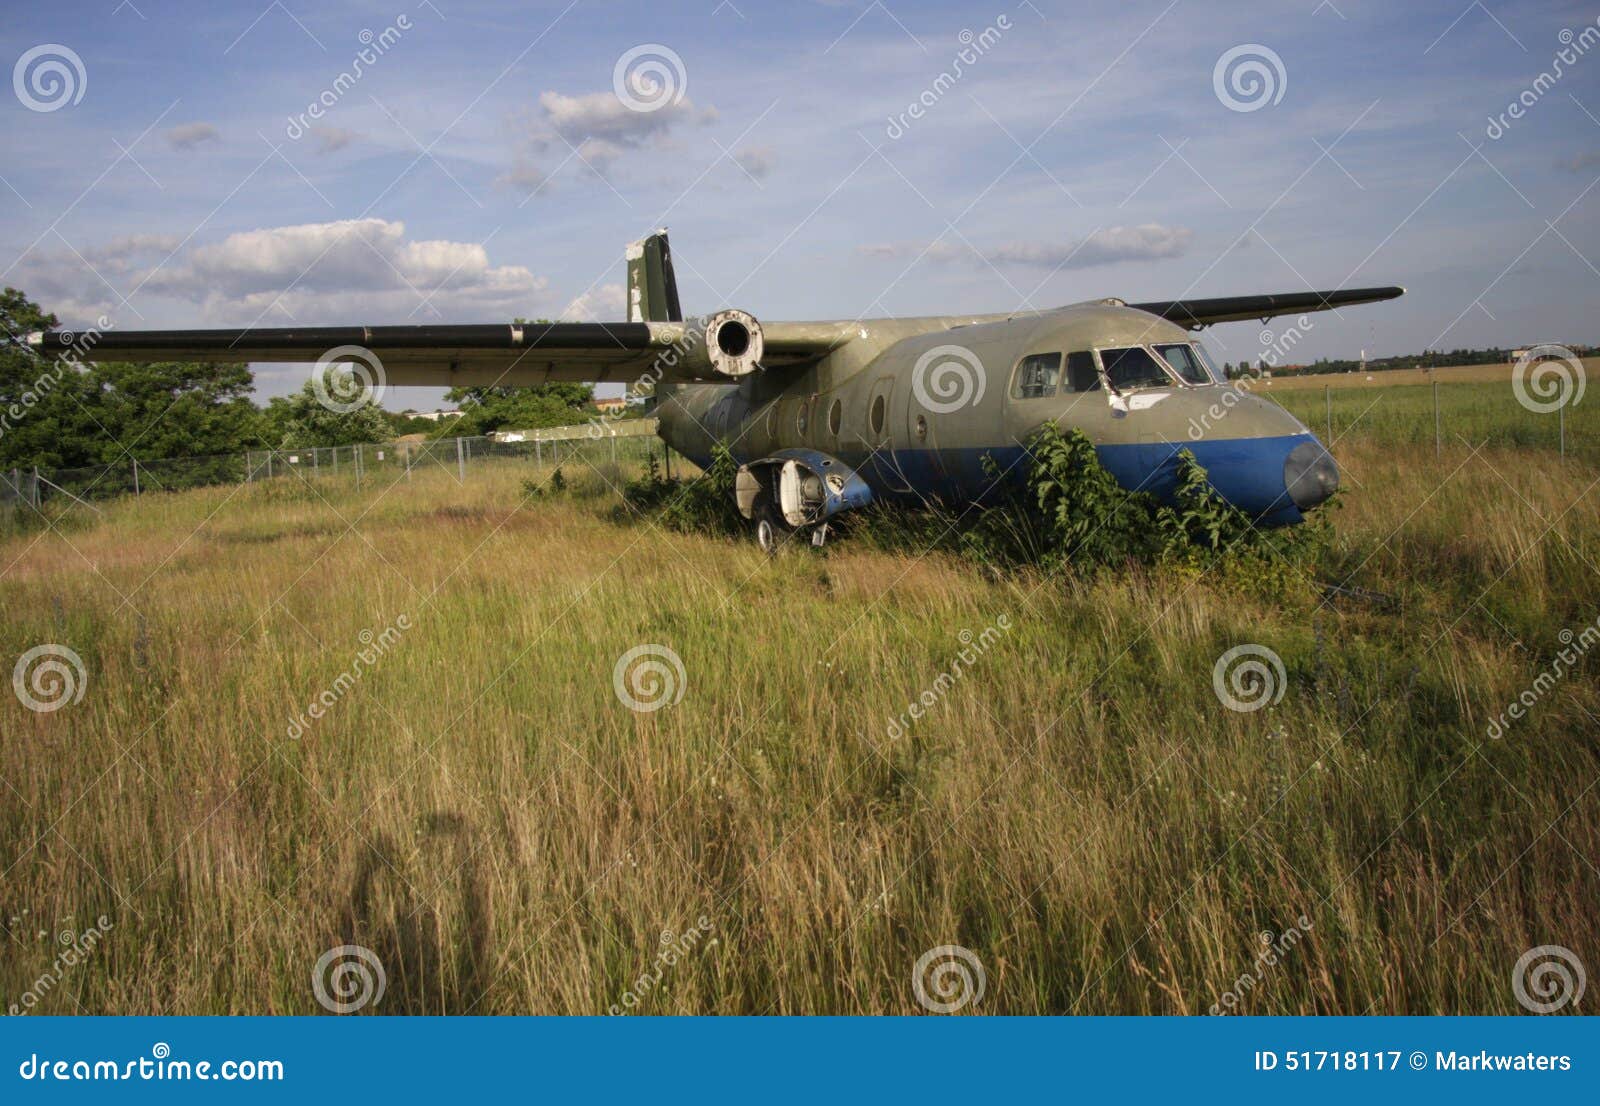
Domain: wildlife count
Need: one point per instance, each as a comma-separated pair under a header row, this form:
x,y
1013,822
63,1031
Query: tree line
x,y
59,416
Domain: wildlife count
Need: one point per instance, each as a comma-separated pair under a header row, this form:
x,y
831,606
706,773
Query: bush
x,y
701,504
1070,512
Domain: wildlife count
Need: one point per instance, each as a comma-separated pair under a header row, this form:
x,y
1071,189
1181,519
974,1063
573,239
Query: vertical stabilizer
x,y
652,286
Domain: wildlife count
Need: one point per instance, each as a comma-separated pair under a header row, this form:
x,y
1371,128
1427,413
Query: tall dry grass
x,y
1077,808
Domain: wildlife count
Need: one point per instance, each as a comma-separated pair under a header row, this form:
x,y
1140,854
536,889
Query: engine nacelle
x,y
800,487
724,346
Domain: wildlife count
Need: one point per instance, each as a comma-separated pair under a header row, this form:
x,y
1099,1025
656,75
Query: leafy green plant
x,y
1069,512
700,504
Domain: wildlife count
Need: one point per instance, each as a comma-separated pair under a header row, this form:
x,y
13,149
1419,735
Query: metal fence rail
x,y
358,464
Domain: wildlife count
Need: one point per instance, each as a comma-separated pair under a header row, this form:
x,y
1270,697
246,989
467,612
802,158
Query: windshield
x,y
1210,363
1182,357
1133,367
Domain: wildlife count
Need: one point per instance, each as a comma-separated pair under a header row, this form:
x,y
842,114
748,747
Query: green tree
x,y
335,417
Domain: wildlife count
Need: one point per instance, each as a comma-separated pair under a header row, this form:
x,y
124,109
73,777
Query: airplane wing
x,y
478,355
1195,314
656,342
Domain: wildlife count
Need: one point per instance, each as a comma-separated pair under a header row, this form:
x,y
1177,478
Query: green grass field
x,y
1075,805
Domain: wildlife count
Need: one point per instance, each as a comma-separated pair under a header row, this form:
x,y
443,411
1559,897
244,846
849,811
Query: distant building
x,y
433,416
607,406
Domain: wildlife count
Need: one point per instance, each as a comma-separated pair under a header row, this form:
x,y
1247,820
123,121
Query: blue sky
x,y
484,167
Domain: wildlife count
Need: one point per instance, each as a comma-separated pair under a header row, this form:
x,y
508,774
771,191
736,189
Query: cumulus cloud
x,y
308,267
189,135
758,161
596,129
330,139
354,270
604,304
1145,242
1107,246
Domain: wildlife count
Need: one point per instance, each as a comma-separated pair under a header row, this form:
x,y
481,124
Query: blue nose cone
x,y
1273,479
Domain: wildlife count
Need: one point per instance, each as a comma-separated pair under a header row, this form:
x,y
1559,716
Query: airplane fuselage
x,y
914,406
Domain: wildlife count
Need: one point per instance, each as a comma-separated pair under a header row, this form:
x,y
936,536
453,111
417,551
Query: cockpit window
x,y
1082,376
1182,357
1036,376
1133,367
1210,364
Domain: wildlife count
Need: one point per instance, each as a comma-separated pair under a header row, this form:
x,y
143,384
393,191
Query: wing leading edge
x,y
1226,309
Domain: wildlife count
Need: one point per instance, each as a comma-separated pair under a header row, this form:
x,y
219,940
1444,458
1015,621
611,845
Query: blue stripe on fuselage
x,y
1247,472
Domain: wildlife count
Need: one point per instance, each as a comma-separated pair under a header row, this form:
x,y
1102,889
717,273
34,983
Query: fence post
x,y
408,462
666,459
1437,436
461,464
613,445
35,487
316,461
538,449
136,476
356,450
1327,404
1561,424
269,464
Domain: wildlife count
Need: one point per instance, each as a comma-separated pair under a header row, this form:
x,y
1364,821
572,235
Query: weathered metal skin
x,y
931,444
910,409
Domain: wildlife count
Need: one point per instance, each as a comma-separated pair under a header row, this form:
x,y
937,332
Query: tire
x,y
770,531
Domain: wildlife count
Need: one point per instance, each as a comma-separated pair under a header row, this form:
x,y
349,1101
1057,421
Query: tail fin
x,y
652,287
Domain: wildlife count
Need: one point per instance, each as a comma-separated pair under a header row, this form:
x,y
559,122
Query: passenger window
x,y
1133,367
1036,376
1181,356
1082,376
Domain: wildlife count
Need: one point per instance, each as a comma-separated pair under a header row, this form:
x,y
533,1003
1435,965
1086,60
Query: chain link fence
x,y
631,443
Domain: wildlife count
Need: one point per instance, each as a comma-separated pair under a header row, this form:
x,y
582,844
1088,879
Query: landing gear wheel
x,y
769,527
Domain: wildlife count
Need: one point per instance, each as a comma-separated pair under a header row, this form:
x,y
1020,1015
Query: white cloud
x,y
330,139
1107,246
342,271
596,129
189,135
1145,242
758,161
604,304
